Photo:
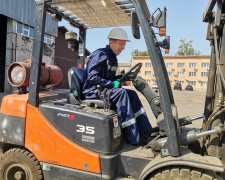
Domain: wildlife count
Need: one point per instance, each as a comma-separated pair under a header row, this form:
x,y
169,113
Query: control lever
x,y
187,120
104,99
99,91
99,94
108,103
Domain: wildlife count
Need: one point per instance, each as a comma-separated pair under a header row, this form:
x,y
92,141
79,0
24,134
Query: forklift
x,y
56,135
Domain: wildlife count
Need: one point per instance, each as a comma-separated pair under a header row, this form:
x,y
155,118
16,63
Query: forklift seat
x,y
75,77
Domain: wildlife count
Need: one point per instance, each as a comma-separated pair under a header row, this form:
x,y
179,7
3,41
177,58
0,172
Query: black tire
x,y
195,147
19,164
181,173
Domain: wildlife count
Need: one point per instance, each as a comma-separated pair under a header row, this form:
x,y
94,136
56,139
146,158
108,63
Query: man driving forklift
x,y
101,71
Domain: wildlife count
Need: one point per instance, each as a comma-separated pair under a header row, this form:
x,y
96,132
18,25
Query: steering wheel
x,y
131,75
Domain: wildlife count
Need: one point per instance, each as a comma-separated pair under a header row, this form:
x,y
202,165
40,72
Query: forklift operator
x,y
101,70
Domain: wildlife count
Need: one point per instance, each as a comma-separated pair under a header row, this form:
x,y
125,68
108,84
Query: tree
x,y
140,53
186,49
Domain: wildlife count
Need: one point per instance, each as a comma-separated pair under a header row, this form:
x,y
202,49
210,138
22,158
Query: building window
x,y
204,74
180,73
192,74
48,39
29,32
192,65
192,83
180,65
19,28
148,81
147,73
205,65
25,30
181,82
169,65
203,83
148,64
170,73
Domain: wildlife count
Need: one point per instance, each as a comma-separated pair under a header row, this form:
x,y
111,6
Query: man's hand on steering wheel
x,y
130,75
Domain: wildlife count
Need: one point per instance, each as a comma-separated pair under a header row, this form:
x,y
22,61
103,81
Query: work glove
x,y
116,84
126,78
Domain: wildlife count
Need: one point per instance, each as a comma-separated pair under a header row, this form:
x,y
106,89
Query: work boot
x,y
146,137
143,141
154,131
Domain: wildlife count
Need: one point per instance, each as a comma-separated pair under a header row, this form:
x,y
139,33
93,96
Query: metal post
x,y
172,146
210,87
81,50
37,53
215,139
209,9
166,77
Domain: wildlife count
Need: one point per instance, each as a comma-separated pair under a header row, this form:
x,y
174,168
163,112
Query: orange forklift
x,y
56,135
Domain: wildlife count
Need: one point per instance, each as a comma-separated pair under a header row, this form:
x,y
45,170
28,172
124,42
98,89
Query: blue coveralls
x,y
101,70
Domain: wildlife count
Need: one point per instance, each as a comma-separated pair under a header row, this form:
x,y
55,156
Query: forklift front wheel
x,y
19,164
184,173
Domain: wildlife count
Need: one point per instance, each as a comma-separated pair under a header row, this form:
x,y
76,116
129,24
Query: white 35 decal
x,y
85,129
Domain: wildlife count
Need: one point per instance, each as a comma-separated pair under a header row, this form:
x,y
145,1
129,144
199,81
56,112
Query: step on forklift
x,y
52,134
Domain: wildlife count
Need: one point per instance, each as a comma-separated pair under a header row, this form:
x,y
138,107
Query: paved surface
x,y
189,103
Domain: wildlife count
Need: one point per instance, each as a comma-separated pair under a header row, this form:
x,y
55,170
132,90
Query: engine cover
x,y
91,128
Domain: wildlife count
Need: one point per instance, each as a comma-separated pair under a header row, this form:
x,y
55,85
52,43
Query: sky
x,y
184,21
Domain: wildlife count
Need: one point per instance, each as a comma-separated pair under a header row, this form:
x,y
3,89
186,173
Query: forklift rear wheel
x,y
19,164
182,173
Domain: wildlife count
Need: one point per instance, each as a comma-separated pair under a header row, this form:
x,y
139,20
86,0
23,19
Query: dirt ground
x,y
189,103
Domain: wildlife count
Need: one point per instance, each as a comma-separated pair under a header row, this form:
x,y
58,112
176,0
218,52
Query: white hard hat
x,y
118,33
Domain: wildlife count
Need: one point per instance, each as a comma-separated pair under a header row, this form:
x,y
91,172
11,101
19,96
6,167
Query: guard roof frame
x,y
172,146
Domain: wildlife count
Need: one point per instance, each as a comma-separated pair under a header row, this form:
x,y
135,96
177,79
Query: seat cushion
x,y
98,103
80,74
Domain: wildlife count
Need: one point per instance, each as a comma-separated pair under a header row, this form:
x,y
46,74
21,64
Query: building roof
x,y
124,64
24,12
63,29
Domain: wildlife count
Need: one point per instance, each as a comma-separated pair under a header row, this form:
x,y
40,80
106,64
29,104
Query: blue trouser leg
x,y
124,109
139,112
129,106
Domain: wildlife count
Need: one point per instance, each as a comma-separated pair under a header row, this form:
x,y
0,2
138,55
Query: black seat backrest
x,y
75,78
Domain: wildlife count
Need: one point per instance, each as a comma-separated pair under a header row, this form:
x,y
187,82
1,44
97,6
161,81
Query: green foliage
x,y
140,53
186,49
